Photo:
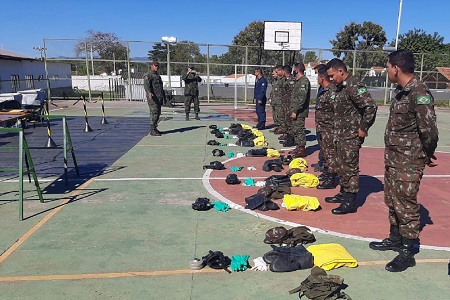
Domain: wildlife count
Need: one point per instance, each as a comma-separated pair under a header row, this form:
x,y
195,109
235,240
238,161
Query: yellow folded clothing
x,y
245,126
272,153
297,202
299,163
305,180
332,256
257,133
260,141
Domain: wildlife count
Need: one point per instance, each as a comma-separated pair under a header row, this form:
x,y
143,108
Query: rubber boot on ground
x,y
187,116
196,116
338,198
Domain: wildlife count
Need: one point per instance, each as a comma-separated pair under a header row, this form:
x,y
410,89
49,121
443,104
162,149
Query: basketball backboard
x,y
281,35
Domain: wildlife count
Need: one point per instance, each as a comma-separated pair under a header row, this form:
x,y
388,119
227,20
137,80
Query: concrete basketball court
x,y
125,228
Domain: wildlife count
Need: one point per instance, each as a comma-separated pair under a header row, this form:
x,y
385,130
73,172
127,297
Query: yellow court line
x,y
44,220
168,272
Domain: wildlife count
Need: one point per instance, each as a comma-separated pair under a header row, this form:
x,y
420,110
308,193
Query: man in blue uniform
x,y
260,98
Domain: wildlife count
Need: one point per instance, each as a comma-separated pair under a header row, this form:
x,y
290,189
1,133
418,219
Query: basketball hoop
x,y
284,46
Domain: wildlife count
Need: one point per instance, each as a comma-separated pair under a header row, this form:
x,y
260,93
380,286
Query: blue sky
x,y
26,23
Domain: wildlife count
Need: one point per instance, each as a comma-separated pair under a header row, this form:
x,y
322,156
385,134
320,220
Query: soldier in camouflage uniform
x,y
154,91
411,138
299,109
191,80
324,119
275,100
354,113
288,84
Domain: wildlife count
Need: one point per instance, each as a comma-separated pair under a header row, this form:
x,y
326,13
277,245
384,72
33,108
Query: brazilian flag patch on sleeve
x,y
423,99
362,91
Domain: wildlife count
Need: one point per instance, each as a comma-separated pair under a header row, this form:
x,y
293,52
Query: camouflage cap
x,y
276,235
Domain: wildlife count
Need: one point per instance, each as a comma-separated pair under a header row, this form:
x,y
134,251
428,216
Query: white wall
x,y
59,74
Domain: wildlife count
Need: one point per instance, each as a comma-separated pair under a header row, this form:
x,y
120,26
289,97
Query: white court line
x,y
233,205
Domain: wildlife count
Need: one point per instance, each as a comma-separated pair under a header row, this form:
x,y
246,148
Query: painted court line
x,y
233,205
44,220
166,273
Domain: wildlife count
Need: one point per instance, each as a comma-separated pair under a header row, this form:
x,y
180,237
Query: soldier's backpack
x,y
217,260
278,180
235,129
272,165
320,286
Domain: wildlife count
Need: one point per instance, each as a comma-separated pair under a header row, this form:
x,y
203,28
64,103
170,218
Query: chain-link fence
x,y
117,69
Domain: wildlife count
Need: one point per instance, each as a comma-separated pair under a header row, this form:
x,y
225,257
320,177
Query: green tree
x,y
181,54
310,56
367,39
104,46
435,52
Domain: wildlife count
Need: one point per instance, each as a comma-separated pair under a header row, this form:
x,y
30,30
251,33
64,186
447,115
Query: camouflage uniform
x,y
191,81
154,84
275,95
300,106
411,137
325,125
286,103
354,109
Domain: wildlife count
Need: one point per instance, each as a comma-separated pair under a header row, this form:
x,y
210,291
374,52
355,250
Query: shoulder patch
x,y
362,91
423,99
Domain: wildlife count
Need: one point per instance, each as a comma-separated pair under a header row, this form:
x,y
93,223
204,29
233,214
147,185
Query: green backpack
x,y
320,286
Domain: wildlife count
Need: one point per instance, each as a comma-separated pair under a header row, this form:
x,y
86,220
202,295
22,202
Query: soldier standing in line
x,y
154,91
410,138
318,167
275,100
260,98
354,113
287,139
299,109
325,125
191,80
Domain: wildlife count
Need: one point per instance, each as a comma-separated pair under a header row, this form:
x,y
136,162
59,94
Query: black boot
x,y
338,198
328,182
187,116
196,116
289,142
347,206
393,242
405,259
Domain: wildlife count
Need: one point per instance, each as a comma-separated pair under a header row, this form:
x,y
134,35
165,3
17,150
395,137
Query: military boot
x,y
393,242
404,259
299,151
347,206
328,182
187,116
283,137
155,132
338,198
196,116
289,142
278,130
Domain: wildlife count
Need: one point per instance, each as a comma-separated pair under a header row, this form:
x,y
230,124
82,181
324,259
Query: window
x,y
15,83
29,81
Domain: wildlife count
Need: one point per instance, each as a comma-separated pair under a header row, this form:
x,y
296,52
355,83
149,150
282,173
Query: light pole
x,y
398,24
40,49
168,40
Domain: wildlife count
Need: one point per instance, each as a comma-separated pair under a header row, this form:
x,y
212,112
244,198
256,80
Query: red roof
x,y
444,71
4,52
237,76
